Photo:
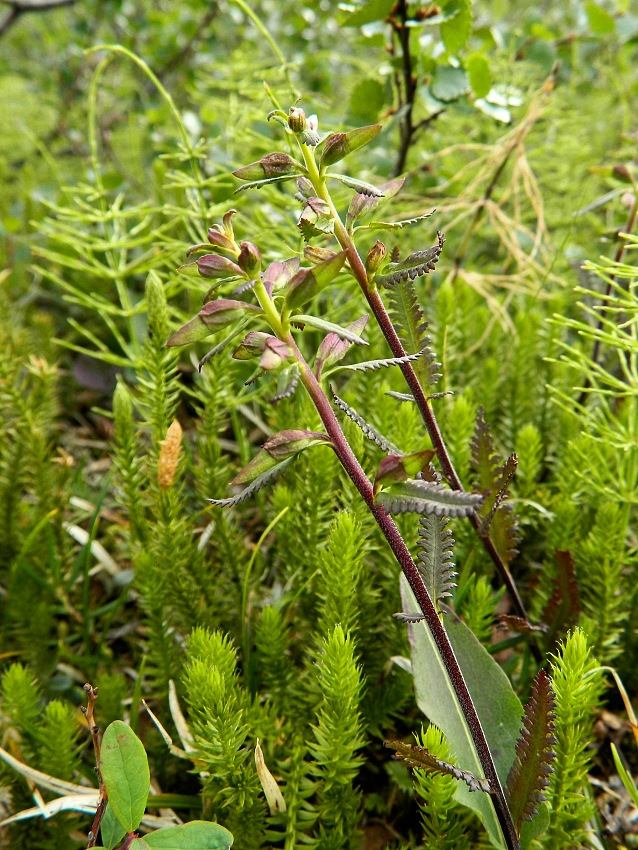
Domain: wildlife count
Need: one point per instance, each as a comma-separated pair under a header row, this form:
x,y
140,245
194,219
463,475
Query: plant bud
x,y
375,258
272,165
221,241
249,259
212,265
297,119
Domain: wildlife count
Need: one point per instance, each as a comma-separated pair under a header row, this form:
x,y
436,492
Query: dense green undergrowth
x,y
267,627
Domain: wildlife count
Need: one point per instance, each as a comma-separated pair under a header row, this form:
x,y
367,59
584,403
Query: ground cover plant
x,y
279,326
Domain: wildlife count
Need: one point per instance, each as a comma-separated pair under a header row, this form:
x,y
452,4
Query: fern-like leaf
x,y
416,617
254,486
532,767
425,497
410,325
419,757
563,606
435,556
375,365
493,480
394,225
368,430
417,264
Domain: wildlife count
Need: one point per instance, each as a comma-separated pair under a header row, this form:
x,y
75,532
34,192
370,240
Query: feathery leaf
x,y
435,556
416,265
425,497
370,432
420,757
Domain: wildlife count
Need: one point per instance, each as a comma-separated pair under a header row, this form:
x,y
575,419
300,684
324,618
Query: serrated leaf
x,y
426,497
334,346
456,28
308,283
410,325
253,488
448,83
362,204
315,219
124,770
368,430
348,333
436,546
360,186
421,758
375,365
417,264
488,686
196,835
287,382
563,607
258,184
394,225
529,775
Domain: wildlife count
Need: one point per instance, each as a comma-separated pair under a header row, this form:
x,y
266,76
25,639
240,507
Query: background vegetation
x,y
272,621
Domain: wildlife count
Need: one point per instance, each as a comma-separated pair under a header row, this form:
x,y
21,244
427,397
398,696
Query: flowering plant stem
x,y
390,531
380,313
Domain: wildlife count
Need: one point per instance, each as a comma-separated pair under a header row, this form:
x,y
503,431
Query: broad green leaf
x,y
196,835
139,844
601,22
124,769
272,165
373,10
448,83
478,70
339,145
367,99
498,707
456,28
111,830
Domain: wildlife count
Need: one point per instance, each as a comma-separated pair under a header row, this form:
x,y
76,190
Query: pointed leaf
x,y
368,430
394,225
435,557
256,485
563,607
488,686
349,333
272,165
339,145
309,282
286,383
335,345
124,770
316,218
212,265
374,365
315,254
361,204
397,468
258,184
423,759
252,345
211,318
111,830
372,10
280,446
532,767
360,186
417,264
196,835
425,497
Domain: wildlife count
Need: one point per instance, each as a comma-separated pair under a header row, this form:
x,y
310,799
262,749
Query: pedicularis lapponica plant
x,y
260,314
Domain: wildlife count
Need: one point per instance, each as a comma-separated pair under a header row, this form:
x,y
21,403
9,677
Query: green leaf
x,y
315,219
457,26
257,484
601,22
339,145
498,707
422,758
398,468
448,83
417,264
111,830
360,186
349,333
124,769
427,497
436,546
362,204
279,447
373,10
625,778
196,835
367,99
478,70
139,844
335,345
272,165
211,318
258,184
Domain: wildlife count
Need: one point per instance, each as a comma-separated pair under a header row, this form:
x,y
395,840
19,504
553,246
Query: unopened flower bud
x,y
297,119
375,258
249,259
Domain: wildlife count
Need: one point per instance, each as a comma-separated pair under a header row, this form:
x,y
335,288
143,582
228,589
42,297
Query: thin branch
x,y
17,8
89,712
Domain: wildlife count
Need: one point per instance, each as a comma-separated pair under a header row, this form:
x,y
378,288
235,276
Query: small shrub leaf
x,y
362,204
124,769
196,835
307,283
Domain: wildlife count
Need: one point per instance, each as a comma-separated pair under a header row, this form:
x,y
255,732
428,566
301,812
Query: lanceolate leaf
x,y
309,282
369,431
211,318
339,145
280,446
362,204
256,485
410,325
375,365
425,497
124,770
348,334
435,556
360,186
417,264
257,184
393,225
421,758
532,767
272,165
334,346
196,835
